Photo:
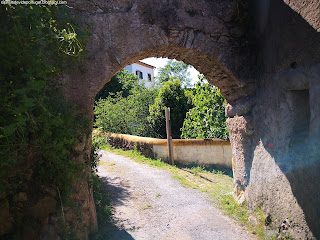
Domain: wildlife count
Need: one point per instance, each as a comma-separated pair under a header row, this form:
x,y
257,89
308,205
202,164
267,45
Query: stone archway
x,y
209,36
192,32
205,34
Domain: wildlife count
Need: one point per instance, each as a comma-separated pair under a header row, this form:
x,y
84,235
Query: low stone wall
x,y
203,152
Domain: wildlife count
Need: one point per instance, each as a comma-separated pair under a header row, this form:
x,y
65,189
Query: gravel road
x,y
149,204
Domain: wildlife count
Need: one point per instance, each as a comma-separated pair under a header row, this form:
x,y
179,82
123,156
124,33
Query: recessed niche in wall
x,y
300,114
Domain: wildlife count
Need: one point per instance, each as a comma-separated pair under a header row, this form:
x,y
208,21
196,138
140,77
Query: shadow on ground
x,y
109,228
213,169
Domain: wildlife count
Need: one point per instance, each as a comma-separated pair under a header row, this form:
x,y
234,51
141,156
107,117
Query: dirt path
x,y
149,204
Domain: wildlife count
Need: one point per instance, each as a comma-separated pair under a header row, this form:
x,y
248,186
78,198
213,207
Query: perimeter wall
x,y
202,152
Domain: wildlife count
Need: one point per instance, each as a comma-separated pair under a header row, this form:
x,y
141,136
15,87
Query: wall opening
x,y
197,107
219,153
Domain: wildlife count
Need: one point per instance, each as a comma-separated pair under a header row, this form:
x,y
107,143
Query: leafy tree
x,y
174,70
127,115
113,114
207,118
123,82
140,99
174,96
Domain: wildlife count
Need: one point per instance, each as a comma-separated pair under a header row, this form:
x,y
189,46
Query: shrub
x,y
125,114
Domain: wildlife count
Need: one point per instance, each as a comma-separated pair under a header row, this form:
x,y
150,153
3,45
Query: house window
x,y
149,77
139,74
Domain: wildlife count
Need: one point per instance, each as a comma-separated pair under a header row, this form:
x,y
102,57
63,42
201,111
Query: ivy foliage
x,y
37,125
207,118
171,95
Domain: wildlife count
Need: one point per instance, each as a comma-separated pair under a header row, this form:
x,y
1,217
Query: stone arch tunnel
x,y
265,58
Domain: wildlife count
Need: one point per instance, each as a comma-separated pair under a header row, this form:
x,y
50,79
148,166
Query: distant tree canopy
x,y
123,105
207,118
174,70
127,106
171,95
122,82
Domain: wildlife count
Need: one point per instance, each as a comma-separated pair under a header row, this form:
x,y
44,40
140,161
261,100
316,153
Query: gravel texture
x,y
149,204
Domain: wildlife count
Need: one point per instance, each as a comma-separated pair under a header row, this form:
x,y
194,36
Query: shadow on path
x,y
113,229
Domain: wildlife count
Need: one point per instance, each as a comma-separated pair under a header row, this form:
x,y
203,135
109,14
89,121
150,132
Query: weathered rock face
x,y
285,171
285,168
269,76
309,10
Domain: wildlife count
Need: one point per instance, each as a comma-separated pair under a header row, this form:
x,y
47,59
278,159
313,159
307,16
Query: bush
x,y
126,115
113,115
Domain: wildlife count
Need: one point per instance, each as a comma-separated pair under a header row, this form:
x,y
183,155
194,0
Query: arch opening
x,y
176,75
239,93
128,143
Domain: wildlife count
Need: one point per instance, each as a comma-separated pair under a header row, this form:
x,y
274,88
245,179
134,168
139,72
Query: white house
x,y
143,71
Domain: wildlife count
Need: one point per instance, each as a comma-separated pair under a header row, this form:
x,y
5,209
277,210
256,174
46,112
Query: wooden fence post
x,y
169,136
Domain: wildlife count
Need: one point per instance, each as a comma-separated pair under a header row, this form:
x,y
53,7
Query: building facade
x,y
143,71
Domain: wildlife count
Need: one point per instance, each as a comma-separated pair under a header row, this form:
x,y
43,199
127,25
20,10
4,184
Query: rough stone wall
x,y
143,147
309,10
202,152
204,34
284,171
284,176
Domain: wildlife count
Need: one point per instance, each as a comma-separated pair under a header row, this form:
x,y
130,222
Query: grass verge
x,y
103,206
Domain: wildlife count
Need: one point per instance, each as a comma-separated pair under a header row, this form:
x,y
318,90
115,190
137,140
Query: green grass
x,y
216,183
147,206
103,206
